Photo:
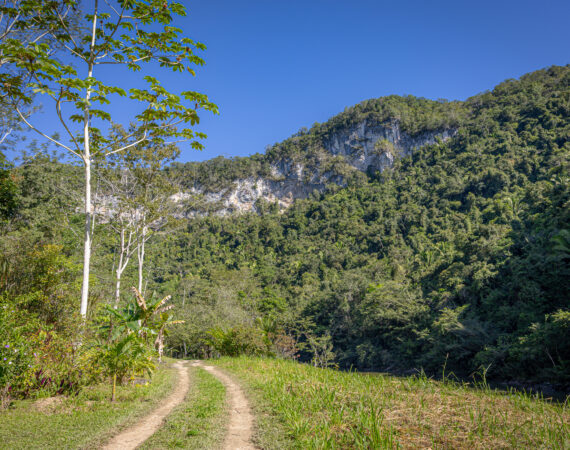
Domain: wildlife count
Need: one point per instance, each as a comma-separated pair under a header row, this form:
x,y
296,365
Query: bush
x,y
239,340
34,358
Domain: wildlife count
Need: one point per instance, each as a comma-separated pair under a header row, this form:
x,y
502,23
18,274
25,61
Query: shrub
x,y
239,340
34,358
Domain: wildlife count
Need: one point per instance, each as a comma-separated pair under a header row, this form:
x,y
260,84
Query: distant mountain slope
x,y
367,137
424,235
458,256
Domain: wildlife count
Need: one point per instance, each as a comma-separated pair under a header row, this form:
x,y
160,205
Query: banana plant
x,y
163,321
154,315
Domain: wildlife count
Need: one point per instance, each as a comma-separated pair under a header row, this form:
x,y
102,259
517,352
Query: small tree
x,y
123,355
119,33
146,194
136,197
122,218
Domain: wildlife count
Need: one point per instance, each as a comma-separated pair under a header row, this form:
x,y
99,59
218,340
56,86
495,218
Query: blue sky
x,y
276,66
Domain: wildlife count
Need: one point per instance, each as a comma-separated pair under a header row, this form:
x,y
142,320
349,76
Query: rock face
x,y
364,147
374,147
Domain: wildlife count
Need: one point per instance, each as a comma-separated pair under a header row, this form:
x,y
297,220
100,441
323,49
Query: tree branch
x,y
129,145
46,136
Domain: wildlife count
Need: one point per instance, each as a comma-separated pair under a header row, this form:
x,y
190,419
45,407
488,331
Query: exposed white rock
x,y
364,147
358,144
290,180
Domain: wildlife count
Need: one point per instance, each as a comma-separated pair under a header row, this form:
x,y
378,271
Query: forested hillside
x,y
457,257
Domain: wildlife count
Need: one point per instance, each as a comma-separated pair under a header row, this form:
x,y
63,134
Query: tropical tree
x,y
126,354
120,34
163,321
147,198
7,190
24,23
126,344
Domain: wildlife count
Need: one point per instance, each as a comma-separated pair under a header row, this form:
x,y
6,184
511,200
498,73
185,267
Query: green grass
x,y
85,421
299,406
200,422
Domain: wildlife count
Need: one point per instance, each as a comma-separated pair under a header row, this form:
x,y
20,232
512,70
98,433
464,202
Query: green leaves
x,y
140,43
459,255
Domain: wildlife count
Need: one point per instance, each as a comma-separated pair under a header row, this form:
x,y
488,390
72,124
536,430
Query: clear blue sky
x,y
276,66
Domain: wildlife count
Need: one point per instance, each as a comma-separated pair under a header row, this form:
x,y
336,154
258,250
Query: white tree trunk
x,y
159,343
140,254
118,289
119,270
87,161
124,257
87,235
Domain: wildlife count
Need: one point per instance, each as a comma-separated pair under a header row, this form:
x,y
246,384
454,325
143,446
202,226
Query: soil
x,y
134,436
49,405
240,429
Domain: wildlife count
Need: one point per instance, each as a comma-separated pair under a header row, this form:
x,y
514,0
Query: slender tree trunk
x,y
87,234
124,257
140,254
114,387
87,161
118,289
159,344
119,272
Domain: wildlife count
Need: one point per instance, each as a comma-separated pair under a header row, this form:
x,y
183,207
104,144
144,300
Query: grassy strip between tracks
x,y
198,423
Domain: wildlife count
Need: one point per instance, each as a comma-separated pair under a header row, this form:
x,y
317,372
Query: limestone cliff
x,y
367,147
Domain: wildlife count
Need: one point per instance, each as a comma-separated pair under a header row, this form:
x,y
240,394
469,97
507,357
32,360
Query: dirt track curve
x,y
134,436
240,429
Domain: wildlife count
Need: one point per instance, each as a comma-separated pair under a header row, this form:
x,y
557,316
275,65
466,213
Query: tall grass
x,y
324,408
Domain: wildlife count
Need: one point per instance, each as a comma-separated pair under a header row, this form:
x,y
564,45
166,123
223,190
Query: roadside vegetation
x,y
457,255
86,420
300,406
60,333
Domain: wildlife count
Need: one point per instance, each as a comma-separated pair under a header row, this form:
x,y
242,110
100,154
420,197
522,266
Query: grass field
x,y
85,421
299,406
200,422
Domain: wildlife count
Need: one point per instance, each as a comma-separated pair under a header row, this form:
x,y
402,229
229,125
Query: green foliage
x,y
37,321
126,344
42,282
452,257
17,352
120,34
48,194
86,419
125,355
35,359
238,341
8,190
456,256
544,348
